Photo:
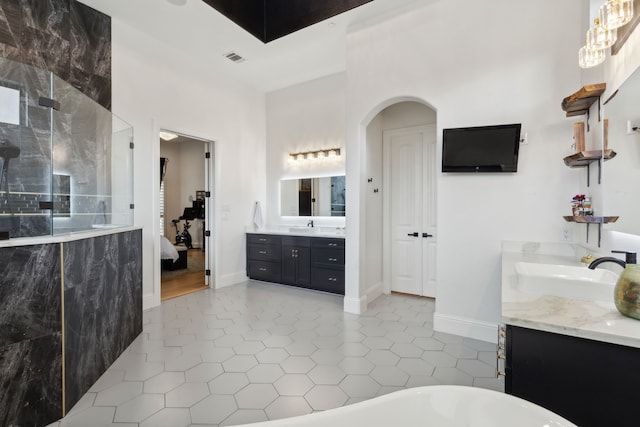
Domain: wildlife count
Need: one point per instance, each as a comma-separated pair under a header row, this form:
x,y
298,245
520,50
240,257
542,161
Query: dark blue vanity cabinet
x,y
327,265
264,255
308,262
590,383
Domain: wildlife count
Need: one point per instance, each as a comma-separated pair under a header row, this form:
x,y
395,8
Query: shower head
x,y
8,150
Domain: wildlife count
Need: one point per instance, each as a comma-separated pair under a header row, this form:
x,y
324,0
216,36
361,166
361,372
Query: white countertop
x,y
328,232
67,237
595,320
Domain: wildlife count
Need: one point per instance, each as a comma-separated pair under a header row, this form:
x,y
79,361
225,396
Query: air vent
x,y
232,56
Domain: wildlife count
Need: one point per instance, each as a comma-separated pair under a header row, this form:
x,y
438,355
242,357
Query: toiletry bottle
x,y
627,290
588,209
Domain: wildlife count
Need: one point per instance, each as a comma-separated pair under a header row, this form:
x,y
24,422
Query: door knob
x,y
427,235
416,234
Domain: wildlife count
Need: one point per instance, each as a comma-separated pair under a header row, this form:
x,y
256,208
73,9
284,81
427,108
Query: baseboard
x,y
149,301
374,292
230,279
470,328
355,305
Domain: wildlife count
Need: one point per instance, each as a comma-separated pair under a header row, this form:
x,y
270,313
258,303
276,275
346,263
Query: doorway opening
x,y
401,203
185,214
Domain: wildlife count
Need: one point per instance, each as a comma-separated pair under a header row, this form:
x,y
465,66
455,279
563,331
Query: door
x,y
409,210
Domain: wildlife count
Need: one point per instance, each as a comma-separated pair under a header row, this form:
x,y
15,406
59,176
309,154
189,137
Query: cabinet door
x,y
264,270
303,267
328,280
264,252
590,383
289,265
296,265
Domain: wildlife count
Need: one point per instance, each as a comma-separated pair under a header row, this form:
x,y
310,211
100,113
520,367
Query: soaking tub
x,y
432,406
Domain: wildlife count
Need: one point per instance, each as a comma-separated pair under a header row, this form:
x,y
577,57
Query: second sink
x,y
566,281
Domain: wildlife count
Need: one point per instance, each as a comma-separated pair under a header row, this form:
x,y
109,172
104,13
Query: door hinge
x,y
49,103
207,272
207,233
207,155
207,194
132,206
131,145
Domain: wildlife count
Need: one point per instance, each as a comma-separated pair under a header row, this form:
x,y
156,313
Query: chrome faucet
x,y
310,223
629,256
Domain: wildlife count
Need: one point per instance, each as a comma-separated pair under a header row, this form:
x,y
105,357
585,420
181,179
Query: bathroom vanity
x,y
309,261
574,356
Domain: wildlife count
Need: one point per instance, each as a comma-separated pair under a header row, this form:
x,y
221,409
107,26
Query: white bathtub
x,y
432,406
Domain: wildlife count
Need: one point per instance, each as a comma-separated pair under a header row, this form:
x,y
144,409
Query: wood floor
x,y
185,283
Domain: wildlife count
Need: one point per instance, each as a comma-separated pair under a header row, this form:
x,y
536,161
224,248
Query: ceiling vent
x,y
232,56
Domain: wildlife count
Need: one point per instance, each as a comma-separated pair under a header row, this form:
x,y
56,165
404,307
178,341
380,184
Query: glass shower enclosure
x,y
66,162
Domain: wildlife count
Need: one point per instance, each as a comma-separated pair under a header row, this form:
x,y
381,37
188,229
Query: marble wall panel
x,y
30,292
30,380
64,36
30,335
103,305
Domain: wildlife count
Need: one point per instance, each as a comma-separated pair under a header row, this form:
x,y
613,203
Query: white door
x,y
409,210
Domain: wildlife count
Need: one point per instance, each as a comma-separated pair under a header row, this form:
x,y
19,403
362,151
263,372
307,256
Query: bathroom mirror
x,y
316,196
621,175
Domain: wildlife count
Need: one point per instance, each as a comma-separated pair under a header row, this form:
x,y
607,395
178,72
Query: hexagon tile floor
x,y
256,351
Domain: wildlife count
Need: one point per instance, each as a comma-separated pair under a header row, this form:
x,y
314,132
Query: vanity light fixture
x,y
616,13
318,154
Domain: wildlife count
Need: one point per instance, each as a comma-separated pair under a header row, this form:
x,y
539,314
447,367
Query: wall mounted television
x,y
481,148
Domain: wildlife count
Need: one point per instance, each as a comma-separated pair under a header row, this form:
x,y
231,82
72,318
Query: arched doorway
x,y
400,199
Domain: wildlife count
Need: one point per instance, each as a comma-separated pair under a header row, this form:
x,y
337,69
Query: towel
x,y
257,216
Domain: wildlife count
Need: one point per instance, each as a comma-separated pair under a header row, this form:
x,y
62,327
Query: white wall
x,y
476,63
305,117
155,87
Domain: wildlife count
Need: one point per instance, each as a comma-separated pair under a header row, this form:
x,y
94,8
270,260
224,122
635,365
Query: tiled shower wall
x,y
63,36
74,42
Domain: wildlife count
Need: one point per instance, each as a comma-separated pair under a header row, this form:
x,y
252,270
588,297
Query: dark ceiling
x,y
269,20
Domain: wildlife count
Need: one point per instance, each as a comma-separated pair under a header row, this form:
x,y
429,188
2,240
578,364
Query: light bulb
x,y
588,57
599,37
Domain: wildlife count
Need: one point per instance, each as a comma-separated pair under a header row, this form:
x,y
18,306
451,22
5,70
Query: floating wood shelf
x,y
592,220
578,103
584,158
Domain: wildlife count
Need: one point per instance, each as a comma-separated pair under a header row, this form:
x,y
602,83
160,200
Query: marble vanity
x,y
307,257
574,356
69,306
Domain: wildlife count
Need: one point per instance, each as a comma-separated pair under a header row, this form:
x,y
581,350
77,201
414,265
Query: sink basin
x,y
566,281
302,230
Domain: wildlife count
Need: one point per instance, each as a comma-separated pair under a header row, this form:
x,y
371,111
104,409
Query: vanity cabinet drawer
x,y
265,270
321,242
328,257
263,239
264,252
327,280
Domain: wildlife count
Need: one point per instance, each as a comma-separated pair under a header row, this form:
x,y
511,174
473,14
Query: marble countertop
x,y
328,232
595,320
67,237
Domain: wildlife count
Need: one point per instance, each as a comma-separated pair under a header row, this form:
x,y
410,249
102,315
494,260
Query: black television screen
x,y
481,149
